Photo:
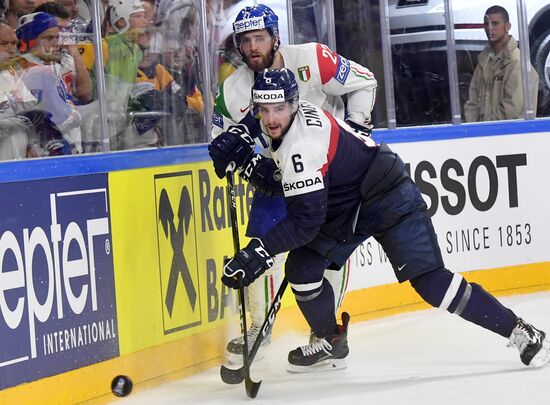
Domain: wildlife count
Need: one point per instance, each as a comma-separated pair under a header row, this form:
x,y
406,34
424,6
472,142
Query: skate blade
x,y
543,356
234,361
326,365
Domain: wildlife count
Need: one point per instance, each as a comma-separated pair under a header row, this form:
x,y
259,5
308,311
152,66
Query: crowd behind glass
x,y
153,80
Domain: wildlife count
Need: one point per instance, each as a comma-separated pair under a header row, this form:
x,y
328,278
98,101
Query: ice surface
x,y
428,357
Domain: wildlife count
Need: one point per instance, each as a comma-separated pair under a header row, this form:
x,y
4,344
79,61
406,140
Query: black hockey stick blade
x,y
252,387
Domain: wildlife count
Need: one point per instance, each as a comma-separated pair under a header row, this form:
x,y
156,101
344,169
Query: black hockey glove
x,y
364,129
247,265
234,145
264,175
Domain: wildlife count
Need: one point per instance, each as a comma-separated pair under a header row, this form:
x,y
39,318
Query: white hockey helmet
x,y
122,10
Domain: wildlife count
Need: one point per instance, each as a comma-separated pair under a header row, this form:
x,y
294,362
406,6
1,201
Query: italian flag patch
x,y
304,73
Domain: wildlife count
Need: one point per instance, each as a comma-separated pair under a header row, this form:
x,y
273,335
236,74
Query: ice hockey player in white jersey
x,y
341,188
324,76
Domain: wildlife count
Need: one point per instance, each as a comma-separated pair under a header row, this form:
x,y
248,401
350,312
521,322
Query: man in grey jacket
x,y
495,90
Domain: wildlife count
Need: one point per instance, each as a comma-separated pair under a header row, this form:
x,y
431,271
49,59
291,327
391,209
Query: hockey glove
x,y
247,265
264,175
365,129
234,145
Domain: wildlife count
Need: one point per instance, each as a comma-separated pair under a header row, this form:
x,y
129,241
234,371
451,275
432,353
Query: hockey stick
x,y
251,387
236,376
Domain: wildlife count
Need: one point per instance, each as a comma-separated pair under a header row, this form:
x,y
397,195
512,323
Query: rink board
x,y
158,236
487,197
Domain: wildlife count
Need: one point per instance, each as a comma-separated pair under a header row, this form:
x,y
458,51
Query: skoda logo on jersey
x,y
177,259
302,186
268,96
250,24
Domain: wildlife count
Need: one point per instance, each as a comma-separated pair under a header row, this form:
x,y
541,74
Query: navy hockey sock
x,y
317,306
470,301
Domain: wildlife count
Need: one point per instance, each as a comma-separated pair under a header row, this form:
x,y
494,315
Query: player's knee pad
x,y
443,289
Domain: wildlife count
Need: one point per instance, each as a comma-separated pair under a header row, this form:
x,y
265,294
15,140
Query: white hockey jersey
x,y
322,75
309,148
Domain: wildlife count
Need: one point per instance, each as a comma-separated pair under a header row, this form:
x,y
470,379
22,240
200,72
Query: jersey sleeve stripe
x,y
365,75
333,143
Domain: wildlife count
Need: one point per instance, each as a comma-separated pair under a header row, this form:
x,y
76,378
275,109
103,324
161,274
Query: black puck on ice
x,y
121,385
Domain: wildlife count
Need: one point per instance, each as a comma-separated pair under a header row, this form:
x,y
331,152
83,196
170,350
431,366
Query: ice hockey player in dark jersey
x,y
341,188
324,76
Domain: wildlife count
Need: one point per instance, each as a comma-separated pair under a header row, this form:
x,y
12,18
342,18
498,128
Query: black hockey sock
x,y
486,311
470,301
318,309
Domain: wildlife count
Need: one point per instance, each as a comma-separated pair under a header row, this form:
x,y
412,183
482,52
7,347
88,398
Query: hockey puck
x,y
121,385
231,376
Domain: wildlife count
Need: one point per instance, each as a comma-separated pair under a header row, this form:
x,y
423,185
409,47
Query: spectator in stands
x,y
181,61
17,9
124,55
179,23
150,96
57,119
71,68
70,7
16,135
495,90
85,9
128,23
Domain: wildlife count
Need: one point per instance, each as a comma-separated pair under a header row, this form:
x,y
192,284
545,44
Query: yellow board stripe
x,y
187,356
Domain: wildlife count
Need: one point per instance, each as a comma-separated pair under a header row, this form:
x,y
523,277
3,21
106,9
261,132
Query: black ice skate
x,y
234,349
322,354
533,345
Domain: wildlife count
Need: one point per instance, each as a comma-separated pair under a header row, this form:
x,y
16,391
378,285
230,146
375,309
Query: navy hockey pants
x,y
398,220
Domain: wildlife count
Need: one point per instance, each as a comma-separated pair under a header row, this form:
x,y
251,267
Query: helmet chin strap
x,y
274,50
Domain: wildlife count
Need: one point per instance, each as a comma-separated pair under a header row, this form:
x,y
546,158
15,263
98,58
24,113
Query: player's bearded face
x,y
275,118
256,47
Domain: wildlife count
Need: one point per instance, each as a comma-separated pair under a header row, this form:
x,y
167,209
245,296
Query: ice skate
x,y
322,354
234,348
533,344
